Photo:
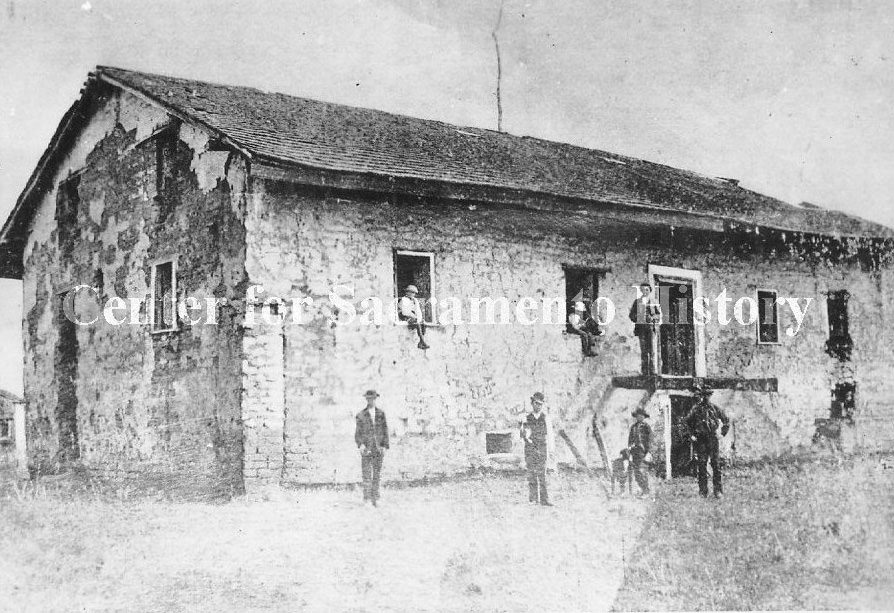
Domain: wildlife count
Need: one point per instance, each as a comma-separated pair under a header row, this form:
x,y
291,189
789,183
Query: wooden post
x,y
667,408
580,459
597,434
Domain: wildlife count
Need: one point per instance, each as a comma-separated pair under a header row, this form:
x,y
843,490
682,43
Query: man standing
x,y
371,436
645,313
702,422
580,322
534,433
411,312
639,442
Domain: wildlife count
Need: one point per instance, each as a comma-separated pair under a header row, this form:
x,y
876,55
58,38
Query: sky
x,y
791,97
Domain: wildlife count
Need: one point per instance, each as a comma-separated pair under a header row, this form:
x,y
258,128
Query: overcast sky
x,y
794,98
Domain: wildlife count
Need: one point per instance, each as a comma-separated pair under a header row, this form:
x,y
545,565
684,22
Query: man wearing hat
x,y
639,443
534,432
580,322
702,422
645,313
371,436
410,311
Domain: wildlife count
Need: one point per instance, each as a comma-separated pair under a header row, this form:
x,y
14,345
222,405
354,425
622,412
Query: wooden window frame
x,y
152,302
398,292
841,346
598,275
760,311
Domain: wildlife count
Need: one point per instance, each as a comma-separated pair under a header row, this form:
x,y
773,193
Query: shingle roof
x,y
336,137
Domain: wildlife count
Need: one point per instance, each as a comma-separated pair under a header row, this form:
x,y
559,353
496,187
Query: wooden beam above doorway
x,y
653,382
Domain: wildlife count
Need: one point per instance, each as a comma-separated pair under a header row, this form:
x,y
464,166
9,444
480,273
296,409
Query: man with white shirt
x,y
645,313
371,437
410,311
580,322
535,432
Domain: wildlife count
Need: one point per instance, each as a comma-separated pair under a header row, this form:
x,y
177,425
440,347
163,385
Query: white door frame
x,y
670,273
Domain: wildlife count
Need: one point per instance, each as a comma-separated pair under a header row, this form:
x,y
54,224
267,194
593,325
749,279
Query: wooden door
x,y
676,340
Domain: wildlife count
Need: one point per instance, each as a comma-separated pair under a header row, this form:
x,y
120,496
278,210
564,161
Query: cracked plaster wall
x,y
477,378
161,408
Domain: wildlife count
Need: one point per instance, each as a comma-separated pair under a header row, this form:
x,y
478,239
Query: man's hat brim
x,y
371,394
640,412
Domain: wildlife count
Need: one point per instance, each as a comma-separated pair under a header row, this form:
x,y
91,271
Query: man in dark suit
x,y
703,421
534,434
639,442
645,313
371,436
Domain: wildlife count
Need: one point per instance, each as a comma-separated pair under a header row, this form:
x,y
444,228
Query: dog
x,y
621,472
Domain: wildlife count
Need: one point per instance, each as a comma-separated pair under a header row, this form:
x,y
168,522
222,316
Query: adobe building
x,y
156,188
12,433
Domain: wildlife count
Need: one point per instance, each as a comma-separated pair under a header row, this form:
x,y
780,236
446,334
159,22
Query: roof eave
x,y
270,168
10,265
276,170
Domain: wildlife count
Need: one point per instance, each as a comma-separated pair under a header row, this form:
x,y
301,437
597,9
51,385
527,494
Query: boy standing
x,y
639,442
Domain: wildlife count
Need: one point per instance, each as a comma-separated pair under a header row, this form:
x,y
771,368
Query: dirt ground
x,y
466,546
800,534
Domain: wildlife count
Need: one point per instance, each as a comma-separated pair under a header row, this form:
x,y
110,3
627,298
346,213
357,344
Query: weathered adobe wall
x,y
871,311
153,406
478,378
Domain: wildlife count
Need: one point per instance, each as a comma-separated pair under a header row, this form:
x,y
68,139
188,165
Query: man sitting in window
x,y
410,311
580,322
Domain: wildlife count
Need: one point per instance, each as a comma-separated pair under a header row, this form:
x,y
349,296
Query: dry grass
x,y
794,536
801,535
463,546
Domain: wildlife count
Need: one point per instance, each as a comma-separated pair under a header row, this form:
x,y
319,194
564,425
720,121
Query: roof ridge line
x,y
341,104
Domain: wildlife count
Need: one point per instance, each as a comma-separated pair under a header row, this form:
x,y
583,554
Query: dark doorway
x,y
844,401
66,375
681,448
677,333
